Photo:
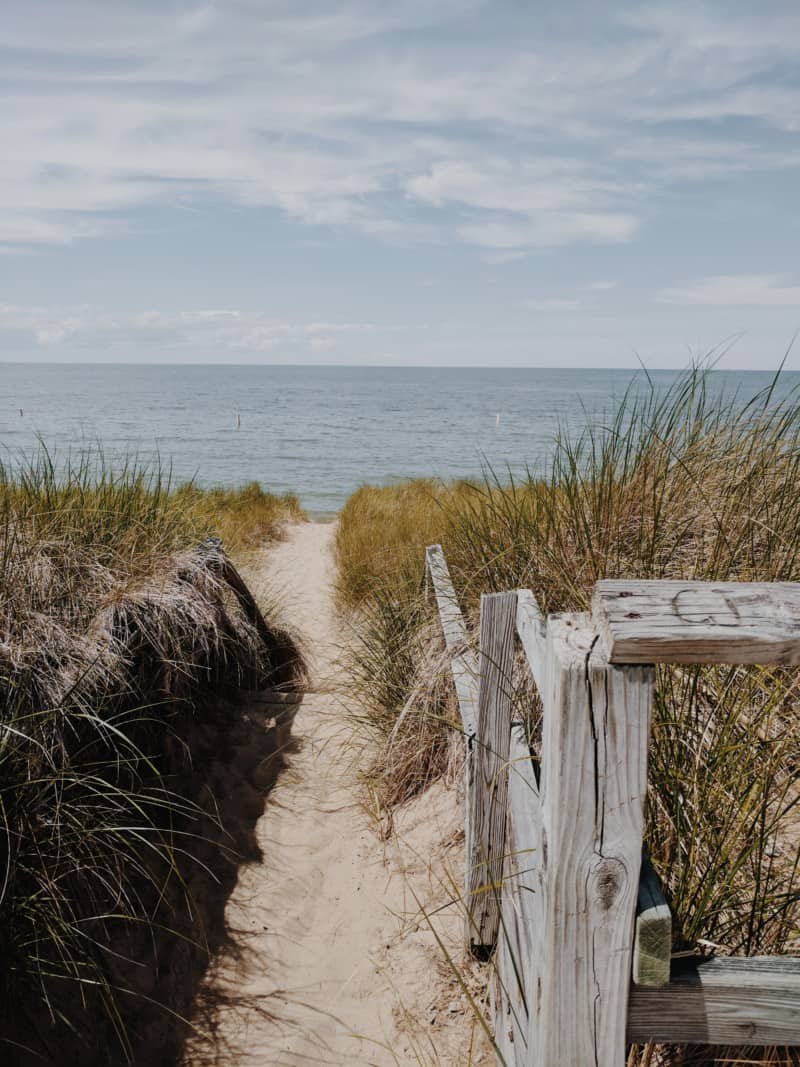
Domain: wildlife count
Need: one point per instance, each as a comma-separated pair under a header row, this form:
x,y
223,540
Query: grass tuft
x,y
110,657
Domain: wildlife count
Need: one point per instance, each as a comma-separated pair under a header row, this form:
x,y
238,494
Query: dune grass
x,y
678,483
107,651
244,518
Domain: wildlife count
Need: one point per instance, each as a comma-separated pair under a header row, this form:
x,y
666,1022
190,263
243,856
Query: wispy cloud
x,y
462,121
742,290
602,285
226,331
554,304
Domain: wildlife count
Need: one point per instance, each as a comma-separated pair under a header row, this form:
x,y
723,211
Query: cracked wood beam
x,y
698,622
464,669
487,831
595,734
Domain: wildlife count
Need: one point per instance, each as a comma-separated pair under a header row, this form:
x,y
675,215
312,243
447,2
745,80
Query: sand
x,y
335,947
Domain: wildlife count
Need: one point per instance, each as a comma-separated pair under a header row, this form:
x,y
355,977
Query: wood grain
x,y
464,669
698,622
510,1011
652,945
464,663
517,939
594,777
721,1002
490,768
532,630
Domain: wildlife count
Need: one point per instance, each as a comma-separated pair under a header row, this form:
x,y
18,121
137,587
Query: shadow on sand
x,y
232,749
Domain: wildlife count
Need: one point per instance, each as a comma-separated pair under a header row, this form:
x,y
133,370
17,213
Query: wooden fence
x,y
556,886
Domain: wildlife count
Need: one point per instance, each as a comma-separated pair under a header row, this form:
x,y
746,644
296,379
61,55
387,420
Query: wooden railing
x,y
555,885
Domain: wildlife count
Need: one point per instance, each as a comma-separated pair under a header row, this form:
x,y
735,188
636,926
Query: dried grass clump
x,y
114,639
676,483
383,529
416,729
244,518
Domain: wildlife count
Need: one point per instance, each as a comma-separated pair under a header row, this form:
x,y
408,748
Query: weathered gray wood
x,y
510,1015
652,945
455,632
518,930
514,941
490,768
532,630
524,848
464,663
464,669
721,1002
698,622
502,1020
594,776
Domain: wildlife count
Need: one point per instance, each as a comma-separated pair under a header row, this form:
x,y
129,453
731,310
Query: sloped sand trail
x,y
337,963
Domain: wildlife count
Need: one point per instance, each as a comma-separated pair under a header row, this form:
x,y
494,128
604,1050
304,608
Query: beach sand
x,y
337,963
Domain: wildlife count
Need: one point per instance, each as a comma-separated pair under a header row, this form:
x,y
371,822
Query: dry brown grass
x,y
244,518
113,644
382,531
683,484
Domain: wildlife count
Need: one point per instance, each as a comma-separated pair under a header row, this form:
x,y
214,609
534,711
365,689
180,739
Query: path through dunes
x,y
335,951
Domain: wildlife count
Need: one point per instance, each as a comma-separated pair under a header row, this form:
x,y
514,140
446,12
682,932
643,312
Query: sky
x,y
369,182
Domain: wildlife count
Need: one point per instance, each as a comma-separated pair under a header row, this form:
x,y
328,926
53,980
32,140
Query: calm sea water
x,y
318,431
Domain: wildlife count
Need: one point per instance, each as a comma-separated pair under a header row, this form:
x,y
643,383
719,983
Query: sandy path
x,y
335,949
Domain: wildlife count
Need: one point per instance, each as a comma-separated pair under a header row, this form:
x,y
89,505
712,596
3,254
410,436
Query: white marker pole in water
x,y
497,419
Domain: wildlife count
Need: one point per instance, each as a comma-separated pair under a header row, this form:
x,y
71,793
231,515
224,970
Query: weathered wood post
x,y
595,735
464,668
487,832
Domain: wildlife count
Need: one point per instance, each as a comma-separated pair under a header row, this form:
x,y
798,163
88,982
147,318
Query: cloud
x,y
223,330
477,122
602,285
750,290
558,228
554,303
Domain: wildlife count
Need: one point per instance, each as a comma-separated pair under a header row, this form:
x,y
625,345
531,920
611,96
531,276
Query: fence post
x,y
489,770
595,734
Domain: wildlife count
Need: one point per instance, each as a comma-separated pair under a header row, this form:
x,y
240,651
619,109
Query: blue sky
x,y
421,183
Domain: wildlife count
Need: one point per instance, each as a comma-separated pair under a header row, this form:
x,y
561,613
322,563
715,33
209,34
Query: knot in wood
x,y
608,880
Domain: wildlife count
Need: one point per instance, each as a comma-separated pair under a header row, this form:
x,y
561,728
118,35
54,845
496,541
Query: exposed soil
x,y
336,962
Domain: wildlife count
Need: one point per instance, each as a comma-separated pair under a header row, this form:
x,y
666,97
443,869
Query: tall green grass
x,y
108,660
676,483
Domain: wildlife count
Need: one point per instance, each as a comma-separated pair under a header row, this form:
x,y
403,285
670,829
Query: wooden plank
x,y
524,847
509,1015
721,1002
501,1020
490,769
698,622
594,776
532,630
464,663
517,936
455,632
464,668
652,945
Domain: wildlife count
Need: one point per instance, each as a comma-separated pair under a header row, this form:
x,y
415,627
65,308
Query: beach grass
x,y
110,659
681,482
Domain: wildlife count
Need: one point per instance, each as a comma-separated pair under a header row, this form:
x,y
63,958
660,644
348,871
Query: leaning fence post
x,y
489,769
595,734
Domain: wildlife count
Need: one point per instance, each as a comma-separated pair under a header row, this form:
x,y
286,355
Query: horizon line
x,y
394,366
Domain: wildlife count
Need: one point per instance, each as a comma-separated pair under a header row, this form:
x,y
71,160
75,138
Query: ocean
x,y
317,431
